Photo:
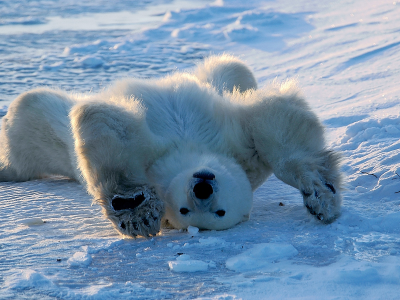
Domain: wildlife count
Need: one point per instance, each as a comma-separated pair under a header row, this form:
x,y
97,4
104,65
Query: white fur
x,y
145,139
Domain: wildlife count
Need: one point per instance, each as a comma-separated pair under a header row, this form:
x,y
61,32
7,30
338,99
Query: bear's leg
x,y
289,138
226,73
114,147
35,139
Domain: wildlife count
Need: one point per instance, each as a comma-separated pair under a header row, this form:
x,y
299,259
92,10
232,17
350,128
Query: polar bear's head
x,y
203,190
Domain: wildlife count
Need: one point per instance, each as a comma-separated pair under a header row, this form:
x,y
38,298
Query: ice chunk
x,y
183,263
188,266
32,221
183,257
192,230
91,61
80,259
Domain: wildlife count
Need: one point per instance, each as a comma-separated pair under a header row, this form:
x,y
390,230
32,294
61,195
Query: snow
x,y
55,245
261,256
3,110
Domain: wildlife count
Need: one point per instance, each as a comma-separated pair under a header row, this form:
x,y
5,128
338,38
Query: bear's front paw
x,y
322,200
137,213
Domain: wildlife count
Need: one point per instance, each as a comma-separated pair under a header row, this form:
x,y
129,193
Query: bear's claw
x,y
323,203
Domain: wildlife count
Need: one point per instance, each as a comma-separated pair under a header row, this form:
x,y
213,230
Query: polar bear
x,y
186,149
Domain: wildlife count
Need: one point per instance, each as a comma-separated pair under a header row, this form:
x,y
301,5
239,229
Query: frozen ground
x,y
345,54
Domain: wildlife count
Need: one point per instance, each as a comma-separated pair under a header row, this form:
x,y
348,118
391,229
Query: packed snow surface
x,y
345,54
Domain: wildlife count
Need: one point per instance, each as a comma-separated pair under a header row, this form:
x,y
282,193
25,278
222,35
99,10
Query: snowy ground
x,y
345,55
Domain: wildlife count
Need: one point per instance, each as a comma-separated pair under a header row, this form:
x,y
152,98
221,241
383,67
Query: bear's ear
x,y
226,73
113,146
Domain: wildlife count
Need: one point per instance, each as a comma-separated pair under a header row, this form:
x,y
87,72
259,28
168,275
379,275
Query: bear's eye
x,y
184,211
220,213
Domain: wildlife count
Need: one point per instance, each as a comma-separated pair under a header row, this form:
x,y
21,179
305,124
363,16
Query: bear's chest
x,y
185,121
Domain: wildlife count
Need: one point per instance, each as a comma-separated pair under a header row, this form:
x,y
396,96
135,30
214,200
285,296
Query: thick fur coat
x,y
186,149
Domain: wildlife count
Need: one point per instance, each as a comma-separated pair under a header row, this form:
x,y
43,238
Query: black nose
x,y
202,190
206,175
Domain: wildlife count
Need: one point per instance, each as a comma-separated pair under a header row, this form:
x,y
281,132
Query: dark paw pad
x,y
146,222
119,203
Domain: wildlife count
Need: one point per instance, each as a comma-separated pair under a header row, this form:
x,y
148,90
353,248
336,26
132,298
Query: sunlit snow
x,y
345,54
